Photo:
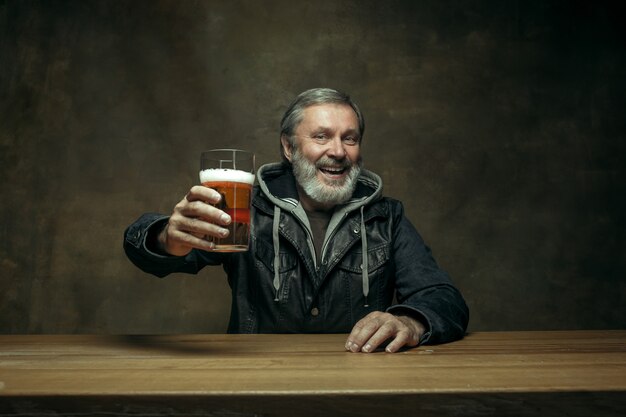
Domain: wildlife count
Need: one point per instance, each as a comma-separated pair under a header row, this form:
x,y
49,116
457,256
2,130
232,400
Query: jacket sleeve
x,y
136,245
423,289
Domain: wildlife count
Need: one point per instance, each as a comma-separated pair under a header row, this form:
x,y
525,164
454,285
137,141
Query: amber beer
x,y
235,187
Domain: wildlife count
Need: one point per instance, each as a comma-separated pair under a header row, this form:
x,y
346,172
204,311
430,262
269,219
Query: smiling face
x,y
326,155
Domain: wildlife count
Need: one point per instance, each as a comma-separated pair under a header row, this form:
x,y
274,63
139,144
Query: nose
x,y
336,149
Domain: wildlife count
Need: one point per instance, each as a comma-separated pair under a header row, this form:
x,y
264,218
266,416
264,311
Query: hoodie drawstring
x,y
364,265
364,260
276,241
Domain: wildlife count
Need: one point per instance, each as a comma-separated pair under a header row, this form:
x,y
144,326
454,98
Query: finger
x,y
358,334
199,202
409,334
386,331
362,331
178,237
197,227
202,193
403,338
200,209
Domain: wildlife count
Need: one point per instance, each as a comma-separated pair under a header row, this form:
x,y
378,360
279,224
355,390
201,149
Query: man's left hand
x,y
377,327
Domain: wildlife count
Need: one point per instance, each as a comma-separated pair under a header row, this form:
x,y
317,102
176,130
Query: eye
x,y
351,140
320,136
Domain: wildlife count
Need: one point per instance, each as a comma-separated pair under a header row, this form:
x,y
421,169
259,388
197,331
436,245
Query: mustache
x,y
326,162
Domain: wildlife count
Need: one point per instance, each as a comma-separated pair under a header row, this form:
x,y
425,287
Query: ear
x,y
287,149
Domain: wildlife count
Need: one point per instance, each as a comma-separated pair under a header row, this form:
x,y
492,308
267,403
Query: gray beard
x,y
336,192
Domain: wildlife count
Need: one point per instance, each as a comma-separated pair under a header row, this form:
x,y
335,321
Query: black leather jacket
x,y
301,296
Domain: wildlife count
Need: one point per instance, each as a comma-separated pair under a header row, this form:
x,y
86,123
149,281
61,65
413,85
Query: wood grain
x,y
503,371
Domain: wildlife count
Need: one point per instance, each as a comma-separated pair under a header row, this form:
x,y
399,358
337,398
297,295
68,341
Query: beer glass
x,y
231,173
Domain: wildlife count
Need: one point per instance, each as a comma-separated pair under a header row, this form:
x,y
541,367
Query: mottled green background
x,y
499,124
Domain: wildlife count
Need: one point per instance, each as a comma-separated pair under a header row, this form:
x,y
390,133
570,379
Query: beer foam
x,y
233,175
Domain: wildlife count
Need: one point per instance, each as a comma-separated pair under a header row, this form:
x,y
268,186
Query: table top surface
x,y
549,361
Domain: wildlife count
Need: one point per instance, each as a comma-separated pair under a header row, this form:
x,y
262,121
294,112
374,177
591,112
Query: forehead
x,y
331,116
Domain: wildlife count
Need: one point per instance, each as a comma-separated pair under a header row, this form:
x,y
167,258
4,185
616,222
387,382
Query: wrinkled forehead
x,y
329,116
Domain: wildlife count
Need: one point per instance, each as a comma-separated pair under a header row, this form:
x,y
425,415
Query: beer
x,y
235,187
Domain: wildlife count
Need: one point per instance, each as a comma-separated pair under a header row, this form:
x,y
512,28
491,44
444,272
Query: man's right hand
x,y
193,219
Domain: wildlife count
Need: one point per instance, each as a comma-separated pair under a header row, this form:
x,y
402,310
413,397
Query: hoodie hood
x,y
278,184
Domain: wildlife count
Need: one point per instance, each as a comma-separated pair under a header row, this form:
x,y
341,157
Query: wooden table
x,y
571,373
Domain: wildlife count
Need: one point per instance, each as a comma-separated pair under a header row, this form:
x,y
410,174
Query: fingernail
x,y
348,345
216,196
225,218
354,347
367,348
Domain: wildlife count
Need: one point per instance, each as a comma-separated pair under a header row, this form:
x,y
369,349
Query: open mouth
x,y
333,171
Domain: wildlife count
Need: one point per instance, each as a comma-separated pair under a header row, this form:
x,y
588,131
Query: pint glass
x,y
231,173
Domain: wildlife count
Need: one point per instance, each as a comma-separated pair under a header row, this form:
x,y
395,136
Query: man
x,y
313,217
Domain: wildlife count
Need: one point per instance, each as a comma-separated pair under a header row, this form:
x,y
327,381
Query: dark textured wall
x,y
500,124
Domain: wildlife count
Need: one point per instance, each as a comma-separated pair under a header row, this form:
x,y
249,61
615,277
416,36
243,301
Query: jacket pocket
x,y
264,262
379,271
377,257
264,256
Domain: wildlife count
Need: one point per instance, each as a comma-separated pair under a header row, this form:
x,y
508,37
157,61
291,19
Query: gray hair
x,y
293,115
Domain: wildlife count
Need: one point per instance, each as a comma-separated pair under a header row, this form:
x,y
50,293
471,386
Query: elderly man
x,y
328,252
